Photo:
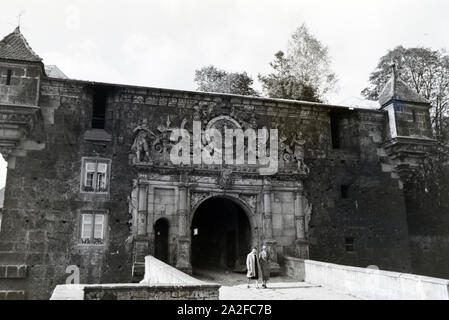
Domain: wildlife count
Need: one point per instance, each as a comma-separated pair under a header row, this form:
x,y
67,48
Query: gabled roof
x,y
15,47
359,103
396,89
53,71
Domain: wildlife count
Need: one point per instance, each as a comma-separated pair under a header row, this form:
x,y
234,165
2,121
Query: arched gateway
x,y
222,232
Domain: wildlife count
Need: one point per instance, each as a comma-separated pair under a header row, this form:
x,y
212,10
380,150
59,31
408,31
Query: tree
x,y
211,79
424,70
303,73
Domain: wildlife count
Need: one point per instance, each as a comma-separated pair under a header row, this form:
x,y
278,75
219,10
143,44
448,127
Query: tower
x,y
407,131
20,72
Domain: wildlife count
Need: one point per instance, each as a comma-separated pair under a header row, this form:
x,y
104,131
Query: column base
x,y
138,272
275,269
302,248
183,255
141,249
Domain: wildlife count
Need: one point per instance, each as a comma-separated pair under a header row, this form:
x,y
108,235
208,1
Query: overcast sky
x,y
161,43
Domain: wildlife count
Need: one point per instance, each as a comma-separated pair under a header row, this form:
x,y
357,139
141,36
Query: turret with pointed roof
x,y
21,70
15,47
397,90
408,135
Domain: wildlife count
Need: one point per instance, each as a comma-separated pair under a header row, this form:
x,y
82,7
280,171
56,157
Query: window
x,y
413,115
344,190
335,130
95,176
99,107
92,228
8,77
349,244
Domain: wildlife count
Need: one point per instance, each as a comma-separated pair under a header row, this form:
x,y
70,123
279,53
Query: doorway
x,y
161,239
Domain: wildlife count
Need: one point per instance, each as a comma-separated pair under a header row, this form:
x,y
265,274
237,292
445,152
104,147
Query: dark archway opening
x,y
161,240
221,235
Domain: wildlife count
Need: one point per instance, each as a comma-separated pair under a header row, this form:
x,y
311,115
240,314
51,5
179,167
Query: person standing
x,y
252,266
264,261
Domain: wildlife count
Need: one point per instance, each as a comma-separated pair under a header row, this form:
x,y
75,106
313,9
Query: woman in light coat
x,y
252,266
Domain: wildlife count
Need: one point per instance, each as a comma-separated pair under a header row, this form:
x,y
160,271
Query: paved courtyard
x,y
234,287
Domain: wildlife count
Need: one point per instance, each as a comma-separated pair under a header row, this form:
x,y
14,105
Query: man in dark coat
x,y
264,260
252,266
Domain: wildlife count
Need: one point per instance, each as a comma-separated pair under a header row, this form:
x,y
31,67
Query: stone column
x,y
182,211
301,243
142,210
269,242
150,218
141,240
183,246
267,216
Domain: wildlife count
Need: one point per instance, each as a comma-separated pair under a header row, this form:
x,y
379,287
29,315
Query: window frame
x,y
92,237
349,244
344,191
84,174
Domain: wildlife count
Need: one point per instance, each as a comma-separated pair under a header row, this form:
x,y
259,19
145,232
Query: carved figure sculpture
x,y
140,145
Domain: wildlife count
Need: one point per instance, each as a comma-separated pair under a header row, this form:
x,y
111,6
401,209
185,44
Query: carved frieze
x,y
250,200
225,179
197,197
148,144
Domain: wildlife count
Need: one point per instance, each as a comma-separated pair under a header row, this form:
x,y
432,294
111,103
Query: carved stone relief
x,y
197,197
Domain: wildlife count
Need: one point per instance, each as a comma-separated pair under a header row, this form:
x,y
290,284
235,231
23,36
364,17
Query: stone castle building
x,y
90,182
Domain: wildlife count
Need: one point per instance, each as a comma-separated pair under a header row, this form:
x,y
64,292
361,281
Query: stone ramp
x,y
234,287
227,277
282,291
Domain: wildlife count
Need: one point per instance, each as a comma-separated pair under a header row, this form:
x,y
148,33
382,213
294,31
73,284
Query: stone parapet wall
x,y
153,292
368,283
294,267
200,291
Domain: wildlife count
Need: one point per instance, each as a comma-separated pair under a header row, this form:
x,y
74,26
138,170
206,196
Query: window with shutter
x,y
95,175
86,228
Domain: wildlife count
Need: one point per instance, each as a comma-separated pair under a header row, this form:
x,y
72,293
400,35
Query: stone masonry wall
x,y
428,219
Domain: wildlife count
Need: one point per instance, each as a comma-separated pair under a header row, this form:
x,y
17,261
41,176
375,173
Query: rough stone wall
x,y
24,84
373,214
43,202
428,220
